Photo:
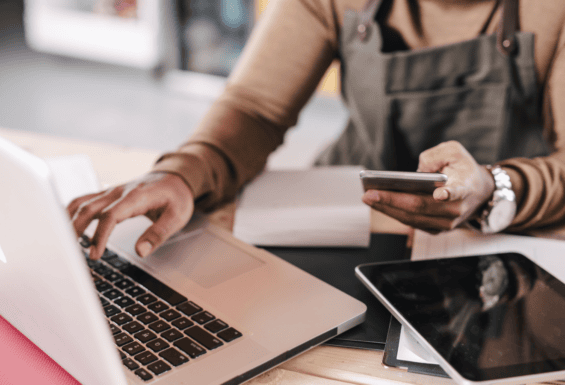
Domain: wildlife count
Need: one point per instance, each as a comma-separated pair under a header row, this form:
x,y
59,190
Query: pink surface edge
x,y
24,363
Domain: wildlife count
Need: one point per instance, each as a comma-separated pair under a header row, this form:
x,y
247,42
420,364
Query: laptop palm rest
x,y
193,253
205,259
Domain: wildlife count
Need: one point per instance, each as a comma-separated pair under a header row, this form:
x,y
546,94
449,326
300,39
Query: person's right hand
x,y
164,198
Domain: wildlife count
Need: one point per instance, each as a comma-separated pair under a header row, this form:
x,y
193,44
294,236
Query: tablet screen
x,y
491,317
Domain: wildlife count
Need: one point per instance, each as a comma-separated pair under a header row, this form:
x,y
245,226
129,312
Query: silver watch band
x,y
501,209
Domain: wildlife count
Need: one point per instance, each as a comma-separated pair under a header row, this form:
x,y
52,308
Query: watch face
x,y
501,215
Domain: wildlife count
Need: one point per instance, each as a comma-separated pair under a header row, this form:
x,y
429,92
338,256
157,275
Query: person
x,y
449,86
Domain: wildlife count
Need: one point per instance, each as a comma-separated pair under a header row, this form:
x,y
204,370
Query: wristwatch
x,y
500,211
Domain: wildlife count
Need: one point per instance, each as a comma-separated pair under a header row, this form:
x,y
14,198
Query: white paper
x,y
316,207
410,350
548,253
74,176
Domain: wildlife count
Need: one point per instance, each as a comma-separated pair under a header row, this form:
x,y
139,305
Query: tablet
x,y
486,319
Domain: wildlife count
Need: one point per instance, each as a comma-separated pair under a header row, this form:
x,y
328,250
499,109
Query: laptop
x,y
205,308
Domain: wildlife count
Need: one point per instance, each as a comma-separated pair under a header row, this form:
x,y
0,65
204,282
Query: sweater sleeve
x,y
540,182
280,68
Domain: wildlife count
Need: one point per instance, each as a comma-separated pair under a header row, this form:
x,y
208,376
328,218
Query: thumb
x,y
449,193
163,228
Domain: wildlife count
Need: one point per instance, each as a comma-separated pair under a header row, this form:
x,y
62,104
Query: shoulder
x,y
546,17
546,20
329,10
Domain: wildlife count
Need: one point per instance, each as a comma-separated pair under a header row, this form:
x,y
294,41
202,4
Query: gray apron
x,y
481,92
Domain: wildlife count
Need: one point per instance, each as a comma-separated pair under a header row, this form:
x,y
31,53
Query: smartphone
x,y
412,182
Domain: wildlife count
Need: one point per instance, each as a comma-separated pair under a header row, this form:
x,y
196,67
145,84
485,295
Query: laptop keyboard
x,y
155,328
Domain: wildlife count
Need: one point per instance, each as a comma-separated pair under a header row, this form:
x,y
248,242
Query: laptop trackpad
x,y
204,258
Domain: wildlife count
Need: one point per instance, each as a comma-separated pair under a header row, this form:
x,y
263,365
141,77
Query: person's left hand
x,y
468,187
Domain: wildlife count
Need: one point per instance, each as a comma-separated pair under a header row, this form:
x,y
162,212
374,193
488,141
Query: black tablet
x,y
497,318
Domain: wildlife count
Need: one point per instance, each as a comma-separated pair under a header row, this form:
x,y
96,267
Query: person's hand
x,y
468,187
164,198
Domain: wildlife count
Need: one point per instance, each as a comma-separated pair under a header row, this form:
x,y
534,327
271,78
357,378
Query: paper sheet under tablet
x,y
316,207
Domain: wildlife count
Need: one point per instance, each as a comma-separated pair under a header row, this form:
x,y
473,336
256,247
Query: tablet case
x,y
336,267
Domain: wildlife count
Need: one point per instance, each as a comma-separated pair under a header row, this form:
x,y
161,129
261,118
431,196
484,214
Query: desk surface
x,y
320,365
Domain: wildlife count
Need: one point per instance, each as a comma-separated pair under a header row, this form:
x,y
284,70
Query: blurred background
x,y
137,73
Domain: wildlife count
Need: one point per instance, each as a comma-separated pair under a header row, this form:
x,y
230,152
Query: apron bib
x,y
477,92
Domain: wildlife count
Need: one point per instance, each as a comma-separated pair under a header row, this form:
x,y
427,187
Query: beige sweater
x,y
289,52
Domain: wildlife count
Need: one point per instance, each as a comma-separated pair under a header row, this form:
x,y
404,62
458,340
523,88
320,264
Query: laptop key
x,y
145,336
157,345
113,276
158,307
159,326
146,299
111,310
121,318
172,335
122,339
203,317
216,325
135,291
135,309
84,241
123,284
147,318
189,308
133,327
170,315
130,364
174,357
114,329
118,263
93,264
143,374
189,347
104,301
112,294
124,301
153,285
146,357
102,286
133,348
182,323
229,335
158,367
102,270
122,354
203,337
108,255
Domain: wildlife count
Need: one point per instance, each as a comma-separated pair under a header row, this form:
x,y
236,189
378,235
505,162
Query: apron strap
x,y
367,14
506,40
490,16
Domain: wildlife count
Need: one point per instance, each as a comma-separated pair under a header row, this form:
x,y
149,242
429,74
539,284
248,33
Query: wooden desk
x,y
320,365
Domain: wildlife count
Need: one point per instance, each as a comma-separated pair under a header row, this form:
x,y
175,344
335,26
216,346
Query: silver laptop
x,y
205,308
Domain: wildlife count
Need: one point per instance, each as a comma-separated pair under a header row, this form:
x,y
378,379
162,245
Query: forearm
x,y
540,190
228,149
284,60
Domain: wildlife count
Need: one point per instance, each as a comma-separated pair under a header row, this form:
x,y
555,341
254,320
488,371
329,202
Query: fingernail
x,y
144,248
373,195
443,195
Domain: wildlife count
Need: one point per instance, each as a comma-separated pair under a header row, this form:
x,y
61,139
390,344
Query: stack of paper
x,y
315,207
